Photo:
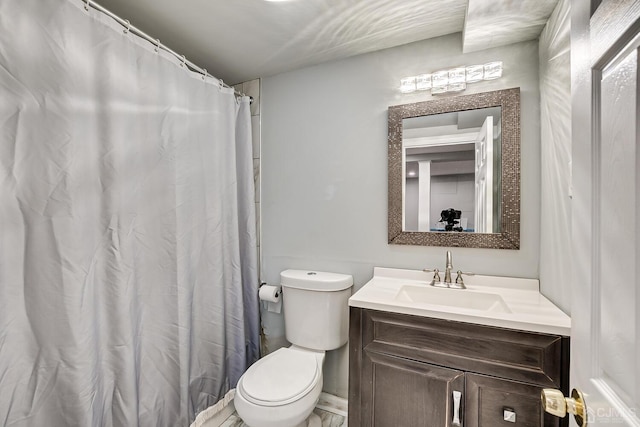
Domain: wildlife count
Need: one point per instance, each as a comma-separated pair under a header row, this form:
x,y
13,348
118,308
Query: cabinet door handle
x,y
456,409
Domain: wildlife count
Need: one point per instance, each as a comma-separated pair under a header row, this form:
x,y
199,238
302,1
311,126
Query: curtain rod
x,y
131,28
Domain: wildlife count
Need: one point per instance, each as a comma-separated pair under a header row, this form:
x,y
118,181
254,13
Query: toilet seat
x,y
279,378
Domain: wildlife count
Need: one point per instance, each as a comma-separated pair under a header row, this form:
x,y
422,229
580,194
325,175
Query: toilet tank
x,y
316,308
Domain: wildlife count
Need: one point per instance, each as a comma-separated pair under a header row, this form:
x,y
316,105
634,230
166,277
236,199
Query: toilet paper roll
x,y
272,297
270,293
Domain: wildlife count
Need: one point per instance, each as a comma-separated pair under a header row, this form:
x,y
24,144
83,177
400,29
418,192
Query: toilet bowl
x,y
281,389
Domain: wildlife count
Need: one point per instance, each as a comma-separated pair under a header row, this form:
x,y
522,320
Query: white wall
x,y
555,207
324,169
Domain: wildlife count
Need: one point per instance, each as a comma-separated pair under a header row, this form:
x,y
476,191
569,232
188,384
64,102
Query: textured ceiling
x,y
497,23
239,40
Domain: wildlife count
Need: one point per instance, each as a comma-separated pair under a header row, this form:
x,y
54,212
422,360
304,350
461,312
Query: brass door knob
x,y
554,402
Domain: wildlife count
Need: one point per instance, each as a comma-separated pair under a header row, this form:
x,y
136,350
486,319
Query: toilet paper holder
x,y
271,296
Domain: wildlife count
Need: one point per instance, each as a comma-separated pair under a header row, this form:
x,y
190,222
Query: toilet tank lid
x,y
315,280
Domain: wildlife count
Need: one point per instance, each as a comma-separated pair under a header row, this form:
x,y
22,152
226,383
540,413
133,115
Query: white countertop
x,y
529,309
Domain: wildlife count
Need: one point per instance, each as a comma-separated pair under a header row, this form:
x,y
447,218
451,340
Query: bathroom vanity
x,y
478,357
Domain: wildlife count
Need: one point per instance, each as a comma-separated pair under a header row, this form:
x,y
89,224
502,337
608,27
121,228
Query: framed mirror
x,y
454,171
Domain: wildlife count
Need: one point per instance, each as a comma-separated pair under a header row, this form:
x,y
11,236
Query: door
x,y
403,392
605,354
497,402
484,178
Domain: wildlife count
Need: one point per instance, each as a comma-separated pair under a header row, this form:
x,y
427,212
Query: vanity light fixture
x,y
408,84
474,73
456,75
440,79
452,80
492,70
457,80
423,82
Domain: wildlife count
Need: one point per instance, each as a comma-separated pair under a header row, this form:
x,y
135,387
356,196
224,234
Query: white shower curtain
x,y
128,264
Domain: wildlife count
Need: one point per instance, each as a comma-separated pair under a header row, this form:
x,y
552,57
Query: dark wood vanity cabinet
x,y
403,371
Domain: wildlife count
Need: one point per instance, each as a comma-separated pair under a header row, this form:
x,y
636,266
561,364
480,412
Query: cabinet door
x,y
488,398
402,392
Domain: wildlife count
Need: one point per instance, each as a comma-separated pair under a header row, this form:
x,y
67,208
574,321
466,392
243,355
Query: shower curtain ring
x,y
204,76
86,5
126,30
157,49
184,61
221,83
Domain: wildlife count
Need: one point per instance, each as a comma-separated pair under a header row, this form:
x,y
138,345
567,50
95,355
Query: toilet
x,y
282,388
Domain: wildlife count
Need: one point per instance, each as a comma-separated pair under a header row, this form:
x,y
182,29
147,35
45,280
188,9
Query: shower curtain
x,y
128,262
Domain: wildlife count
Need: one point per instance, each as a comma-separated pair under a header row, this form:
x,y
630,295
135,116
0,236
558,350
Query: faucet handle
x,y
436,274
459,279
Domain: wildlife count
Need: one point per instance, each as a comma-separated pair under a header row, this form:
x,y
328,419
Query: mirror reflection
x,y
452,171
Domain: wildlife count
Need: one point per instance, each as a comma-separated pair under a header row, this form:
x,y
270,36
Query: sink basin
x,y
459,298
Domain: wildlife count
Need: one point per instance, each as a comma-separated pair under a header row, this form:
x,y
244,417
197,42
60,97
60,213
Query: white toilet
x,y
282,388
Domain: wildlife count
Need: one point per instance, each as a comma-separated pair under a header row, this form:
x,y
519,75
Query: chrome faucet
x,y
448,268
447,282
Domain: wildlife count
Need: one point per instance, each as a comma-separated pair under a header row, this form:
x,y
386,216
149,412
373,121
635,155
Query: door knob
x,y
554,402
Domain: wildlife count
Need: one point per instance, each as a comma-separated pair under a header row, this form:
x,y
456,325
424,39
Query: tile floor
x,y
328,420
331,409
